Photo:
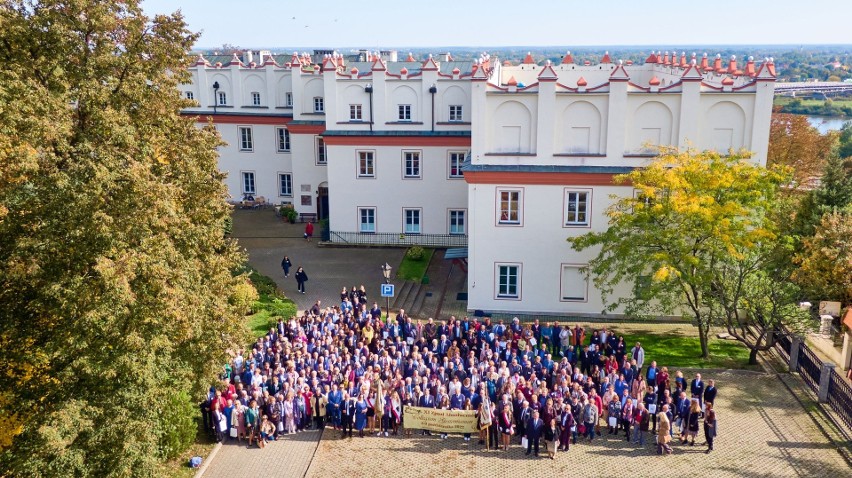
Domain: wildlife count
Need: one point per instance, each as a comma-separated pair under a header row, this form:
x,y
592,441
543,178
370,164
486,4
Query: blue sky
x,y
402,23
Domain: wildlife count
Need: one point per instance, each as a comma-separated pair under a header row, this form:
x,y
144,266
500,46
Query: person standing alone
x,y
286,265
309,231
301,278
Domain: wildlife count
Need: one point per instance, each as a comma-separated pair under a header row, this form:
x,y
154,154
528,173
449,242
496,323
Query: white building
x,y
377,147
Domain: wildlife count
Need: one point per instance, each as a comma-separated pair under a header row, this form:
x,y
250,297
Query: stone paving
x,y
763,431
267,239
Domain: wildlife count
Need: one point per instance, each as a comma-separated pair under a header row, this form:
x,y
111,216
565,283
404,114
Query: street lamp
x,y
386,271
215,95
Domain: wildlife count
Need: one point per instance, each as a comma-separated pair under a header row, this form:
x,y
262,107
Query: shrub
x,y
242,296
177,426
415,253
263,284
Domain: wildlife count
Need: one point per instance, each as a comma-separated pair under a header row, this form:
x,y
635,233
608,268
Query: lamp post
x,y
386,271
215,95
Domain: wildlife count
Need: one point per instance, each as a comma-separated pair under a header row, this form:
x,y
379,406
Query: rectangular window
x,y
320,151
412,221
457,221
319,104
455,112
576,208
508,281
288,100
255,98
642,287
412,164
283,135
405,112
285,184
222,98
246,143
574,285
456,160
248,182
367,219
190,95
355,113
366,164
509,206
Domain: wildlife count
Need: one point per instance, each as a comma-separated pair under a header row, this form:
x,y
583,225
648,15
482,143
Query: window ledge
x,y
354,122
511,154
314,113
450,123
255,107
404,122
580,155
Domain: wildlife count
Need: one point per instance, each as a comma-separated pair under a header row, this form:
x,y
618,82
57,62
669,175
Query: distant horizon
x,y
656,47
504,22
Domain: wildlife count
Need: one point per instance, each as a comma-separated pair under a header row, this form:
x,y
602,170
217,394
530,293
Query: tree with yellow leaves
x,y
691,212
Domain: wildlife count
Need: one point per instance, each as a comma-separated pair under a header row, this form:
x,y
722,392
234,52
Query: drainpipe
x,y
433,89
369,90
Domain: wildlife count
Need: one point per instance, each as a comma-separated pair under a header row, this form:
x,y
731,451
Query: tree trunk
x,y
703,332
752,357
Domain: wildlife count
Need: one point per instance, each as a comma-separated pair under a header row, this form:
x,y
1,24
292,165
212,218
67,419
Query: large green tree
x,y
114,274
690,212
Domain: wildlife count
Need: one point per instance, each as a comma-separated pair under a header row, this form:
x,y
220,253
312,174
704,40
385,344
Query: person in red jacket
x,y
309,231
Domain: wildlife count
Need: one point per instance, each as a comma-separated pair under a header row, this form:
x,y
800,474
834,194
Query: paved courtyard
x,y
763,431
267,239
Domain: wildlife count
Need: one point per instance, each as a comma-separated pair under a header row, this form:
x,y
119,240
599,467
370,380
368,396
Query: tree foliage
x,y
825,263
793,142
691,211
114,273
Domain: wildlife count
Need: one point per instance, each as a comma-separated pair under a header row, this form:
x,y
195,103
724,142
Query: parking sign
x,y
387,290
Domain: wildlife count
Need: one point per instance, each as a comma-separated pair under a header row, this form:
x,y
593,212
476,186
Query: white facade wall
x,y
435,193
537,245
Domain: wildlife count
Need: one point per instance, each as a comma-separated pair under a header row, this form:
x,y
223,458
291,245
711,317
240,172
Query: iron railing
x,y
783,344
840,398
397,239
810,367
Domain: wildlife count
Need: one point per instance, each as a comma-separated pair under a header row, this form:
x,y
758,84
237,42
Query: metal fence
x,y
840,398
810,367
783,343
395,239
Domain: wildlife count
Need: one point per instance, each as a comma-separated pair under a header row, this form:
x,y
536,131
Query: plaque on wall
x,y
306,200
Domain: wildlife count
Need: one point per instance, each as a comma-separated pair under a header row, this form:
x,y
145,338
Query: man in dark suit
x,y
534,429
426,401
697,387
348,415
710,392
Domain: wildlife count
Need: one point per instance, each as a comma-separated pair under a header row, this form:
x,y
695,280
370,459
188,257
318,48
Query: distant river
x,y
825,124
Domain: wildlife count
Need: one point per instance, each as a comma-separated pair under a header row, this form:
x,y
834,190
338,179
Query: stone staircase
x,y
410,297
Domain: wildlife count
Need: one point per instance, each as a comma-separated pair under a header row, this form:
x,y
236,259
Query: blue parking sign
x,y
387,290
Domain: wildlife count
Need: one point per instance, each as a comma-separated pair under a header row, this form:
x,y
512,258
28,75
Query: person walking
x,y
309,231
709,425
301,278
286,264
663,429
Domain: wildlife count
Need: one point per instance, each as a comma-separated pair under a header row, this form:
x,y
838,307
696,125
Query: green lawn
x,y
266,313
414,270
683,351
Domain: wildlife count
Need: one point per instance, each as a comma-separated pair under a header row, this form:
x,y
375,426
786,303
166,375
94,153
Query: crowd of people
x,y
350,368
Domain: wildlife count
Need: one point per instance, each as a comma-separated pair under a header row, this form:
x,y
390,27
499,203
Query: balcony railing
x,y
397,239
